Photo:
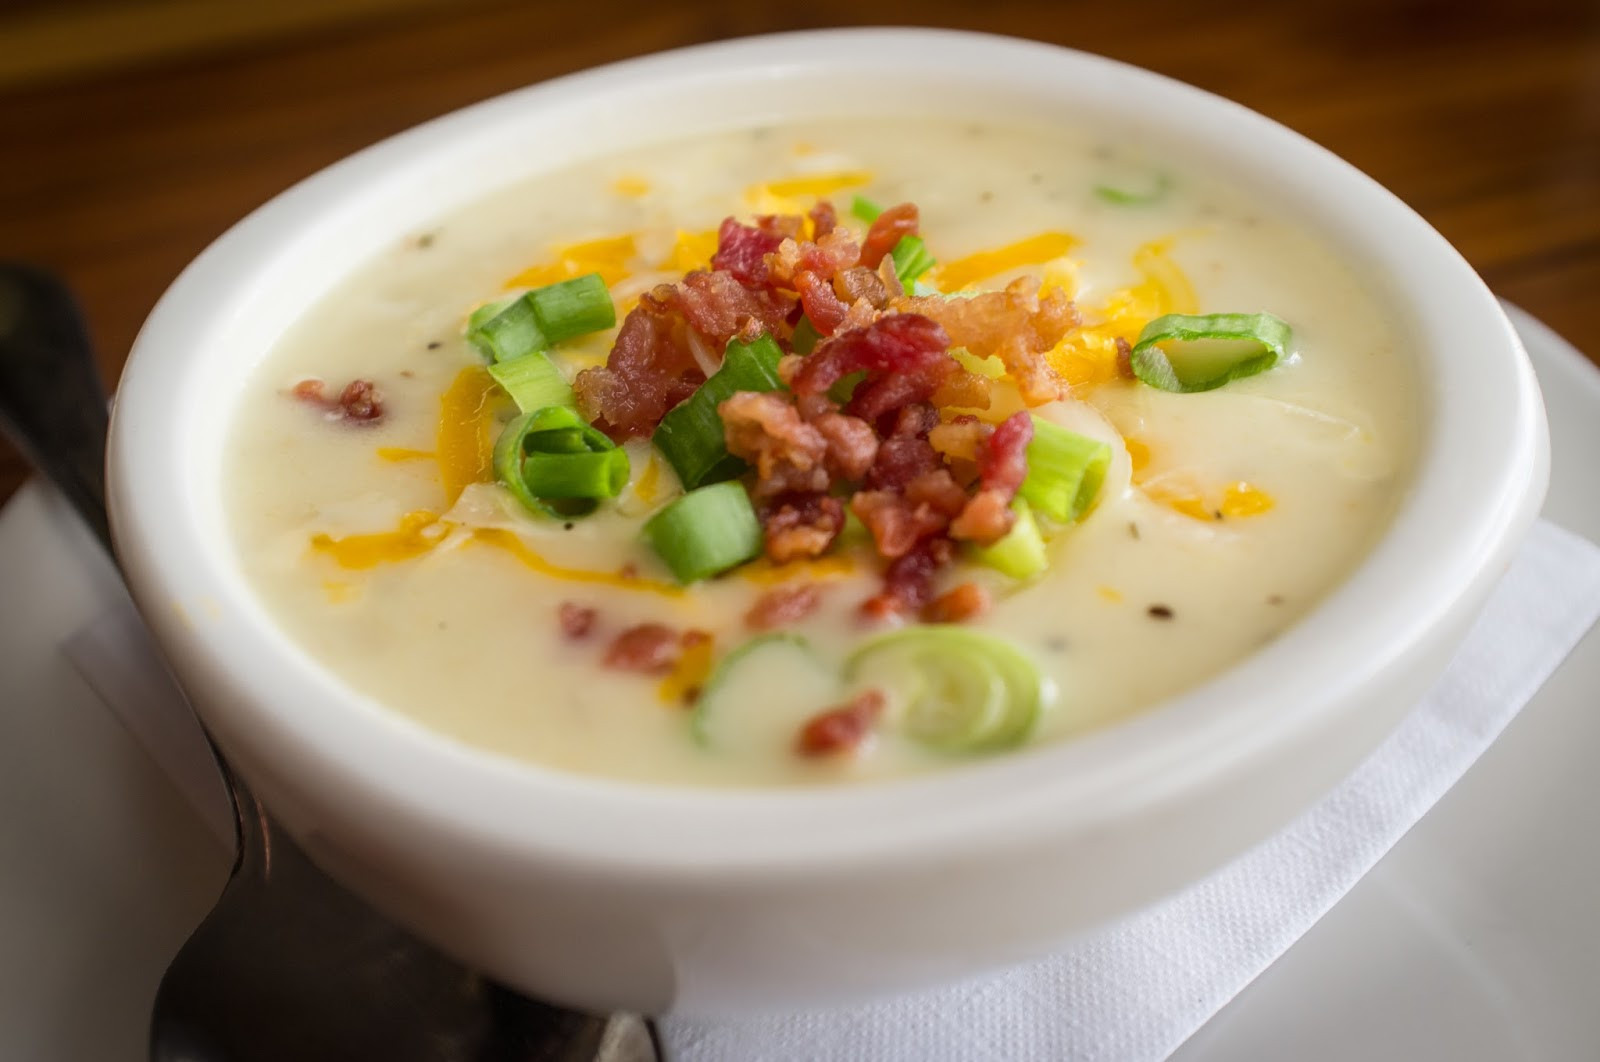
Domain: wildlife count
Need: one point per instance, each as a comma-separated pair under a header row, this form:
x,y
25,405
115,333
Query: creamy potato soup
x,y
817,453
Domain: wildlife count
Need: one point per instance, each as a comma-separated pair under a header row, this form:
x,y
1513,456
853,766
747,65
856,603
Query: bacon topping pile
x,y
901,450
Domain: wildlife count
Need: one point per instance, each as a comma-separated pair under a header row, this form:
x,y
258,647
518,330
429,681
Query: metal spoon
x,y
288,965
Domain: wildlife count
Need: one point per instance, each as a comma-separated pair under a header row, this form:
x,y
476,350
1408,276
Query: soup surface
x,y
893,623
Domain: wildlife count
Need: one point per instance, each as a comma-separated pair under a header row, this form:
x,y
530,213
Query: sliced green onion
x,y
690,437
1199,352
963,691
538,319
1065,471
554,463
1021,553
510,332
572,308
844,388
533,382
911,259
1121,195
586,475
706,531
706,706
865,209
805,338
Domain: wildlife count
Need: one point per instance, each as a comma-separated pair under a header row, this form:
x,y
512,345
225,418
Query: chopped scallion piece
x,y
707,707
1021,553
1065,471
806,337
533,382
585,475
510,332
690,437
538,319
865,209
554,463
1199,352
962,690
573,308
706,531
1128,195
911,259
844,388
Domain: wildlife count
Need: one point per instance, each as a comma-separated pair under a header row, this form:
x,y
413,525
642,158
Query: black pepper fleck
x,y
1217,513
434,344
1056,645
1275,599
1160,612
985,196
1133,529
425,241
568,526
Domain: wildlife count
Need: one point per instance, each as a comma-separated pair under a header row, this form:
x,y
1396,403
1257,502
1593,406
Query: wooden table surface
x,y
1485,117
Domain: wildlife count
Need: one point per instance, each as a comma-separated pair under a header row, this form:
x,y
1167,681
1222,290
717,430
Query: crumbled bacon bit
x,y
859,282
651,369
938,490
718,307
742,249
1018,325
908,582
961,439
764,428
309,391
800,526
907,349
823,219
824,309
852,444
576,620
1002,466
965,390
1125,360
900,459
896,524
963,602
649,648
886,231
783,605
360,402
985,520
841,729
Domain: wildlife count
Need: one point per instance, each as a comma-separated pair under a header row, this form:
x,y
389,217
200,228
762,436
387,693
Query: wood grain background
x,y
128,147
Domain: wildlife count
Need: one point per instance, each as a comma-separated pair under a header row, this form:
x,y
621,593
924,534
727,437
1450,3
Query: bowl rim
x,y
267,700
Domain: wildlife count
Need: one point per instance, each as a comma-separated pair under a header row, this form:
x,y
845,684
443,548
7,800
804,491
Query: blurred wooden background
x,y
135,132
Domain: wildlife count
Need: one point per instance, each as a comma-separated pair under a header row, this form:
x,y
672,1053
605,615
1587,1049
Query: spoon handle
x,y
52,404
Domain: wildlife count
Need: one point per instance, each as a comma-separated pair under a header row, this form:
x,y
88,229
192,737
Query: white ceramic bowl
x,y
606,894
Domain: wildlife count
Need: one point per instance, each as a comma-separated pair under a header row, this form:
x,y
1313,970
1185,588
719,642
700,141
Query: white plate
x,y
1477,939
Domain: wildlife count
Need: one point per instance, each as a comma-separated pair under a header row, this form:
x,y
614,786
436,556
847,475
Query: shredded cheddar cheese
x,y
690,674
463,448
631,185
764,572
398,454
691,250
609,256
418,533
1035,250
516,547
1243,499
812,184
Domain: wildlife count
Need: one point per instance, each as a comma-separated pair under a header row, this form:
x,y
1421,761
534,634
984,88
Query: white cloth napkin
x,y
1132,992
